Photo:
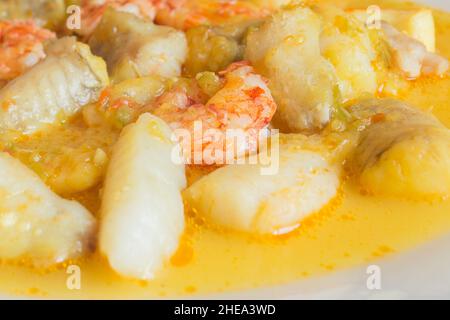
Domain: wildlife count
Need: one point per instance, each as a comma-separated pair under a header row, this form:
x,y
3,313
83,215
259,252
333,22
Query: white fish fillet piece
x,y
240,197
35,223
54,89
142,208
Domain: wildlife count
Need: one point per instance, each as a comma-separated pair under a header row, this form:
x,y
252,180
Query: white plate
x,y
423,273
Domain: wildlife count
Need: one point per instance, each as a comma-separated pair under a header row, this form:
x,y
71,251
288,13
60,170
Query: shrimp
x,y
184,14
242,103
92,11
21,47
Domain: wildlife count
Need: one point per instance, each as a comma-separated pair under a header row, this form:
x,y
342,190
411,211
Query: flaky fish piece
x,y
54,89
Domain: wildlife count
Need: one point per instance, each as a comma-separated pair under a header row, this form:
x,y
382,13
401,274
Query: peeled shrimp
x,y
93,10
286,49
401,151
183,14
243,103
21,47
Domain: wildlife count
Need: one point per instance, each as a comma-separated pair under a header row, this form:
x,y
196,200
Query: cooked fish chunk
x,y
35,223
411,56
135,48
54,89
286,50
142,209
401,151
273,4
124,102
240,197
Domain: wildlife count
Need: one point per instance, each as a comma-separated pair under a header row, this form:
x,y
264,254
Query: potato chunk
x,y
240,197
35,223
401,151
347,45
135,48
142,209
286,50
54,89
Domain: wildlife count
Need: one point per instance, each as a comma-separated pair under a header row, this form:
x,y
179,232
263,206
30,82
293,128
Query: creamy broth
x,y
355,229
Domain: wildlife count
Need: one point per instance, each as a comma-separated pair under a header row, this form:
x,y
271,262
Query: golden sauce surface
x,y
355,231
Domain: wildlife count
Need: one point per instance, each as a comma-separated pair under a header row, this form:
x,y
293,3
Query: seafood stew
x,y
166,148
